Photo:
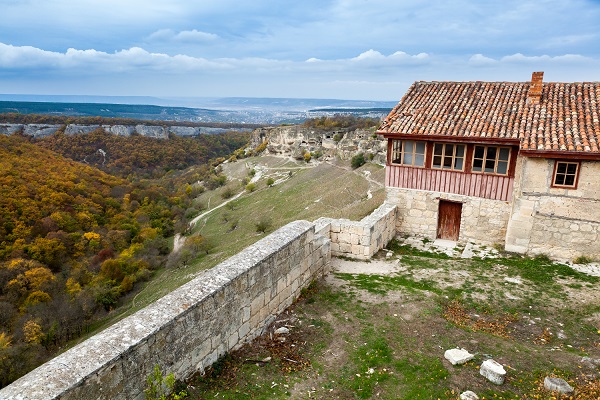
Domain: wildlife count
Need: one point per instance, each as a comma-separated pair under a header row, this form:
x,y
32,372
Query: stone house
x,y
509,163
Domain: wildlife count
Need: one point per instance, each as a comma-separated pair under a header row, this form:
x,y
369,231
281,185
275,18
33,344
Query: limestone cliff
x,y
295,140
155,131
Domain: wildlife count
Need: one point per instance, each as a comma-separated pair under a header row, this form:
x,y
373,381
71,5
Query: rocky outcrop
x,y
154,131
295,140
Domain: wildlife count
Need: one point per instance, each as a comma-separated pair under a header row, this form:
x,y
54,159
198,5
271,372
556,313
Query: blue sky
x,y
345,49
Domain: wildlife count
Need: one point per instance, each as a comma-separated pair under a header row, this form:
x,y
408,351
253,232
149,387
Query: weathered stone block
x,y
557,385
458,356
493,371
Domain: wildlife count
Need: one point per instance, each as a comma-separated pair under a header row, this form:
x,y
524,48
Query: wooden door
x,y
449,220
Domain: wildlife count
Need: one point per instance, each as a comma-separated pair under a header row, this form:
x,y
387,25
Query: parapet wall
x,y
360,239
190,328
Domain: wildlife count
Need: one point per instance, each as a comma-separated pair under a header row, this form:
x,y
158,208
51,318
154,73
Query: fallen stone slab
x,y
468,395
282,331
493,371
458,356
557,385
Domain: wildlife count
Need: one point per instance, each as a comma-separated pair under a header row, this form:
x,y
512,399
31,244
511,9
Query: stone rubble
x,y
458,356
557,385
493,371
468,395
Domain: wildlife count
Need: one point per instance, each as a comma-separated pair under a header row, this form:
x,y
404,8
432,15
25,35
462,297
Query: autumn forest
x,y
84,220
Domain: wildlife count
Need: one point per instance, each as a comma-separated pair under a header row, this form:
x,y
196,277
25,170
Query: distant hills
x,y
228,109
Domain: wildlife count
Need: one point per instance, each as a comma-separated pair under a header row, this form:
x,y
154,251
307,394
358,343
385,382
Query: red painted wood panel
x,y
495,187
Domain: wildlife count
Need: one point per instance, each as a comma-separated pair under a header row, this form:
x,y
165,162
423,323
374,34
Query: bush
x,y
227,193
251,187
307,157
582,260
263,224
159,387
358,160
270,182
261,147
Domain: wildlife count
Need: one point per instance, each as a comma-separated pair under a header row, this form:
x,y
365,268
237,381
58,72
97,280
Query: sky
x,y
331,49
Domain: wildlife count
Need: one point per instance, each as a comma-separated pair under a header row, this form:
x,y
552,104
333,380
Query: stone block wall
x,y
188,329
360,239
482,220
561,223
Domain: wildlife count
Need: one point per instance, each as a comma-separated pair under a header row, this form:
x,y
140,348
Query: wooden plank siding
x,y
494,187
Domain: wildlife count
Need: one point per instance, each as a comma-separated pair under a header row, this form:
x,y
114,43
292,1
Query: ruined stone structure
x,y
189,329
511,163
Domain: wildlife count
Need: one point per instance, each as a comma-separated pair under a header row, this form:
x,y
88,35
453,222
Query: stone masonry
x,y
360,239
482,220
188,329
561,223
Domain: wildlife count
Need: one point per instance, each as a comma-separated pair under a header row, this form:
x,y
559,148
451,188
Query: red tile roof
x,y
566,119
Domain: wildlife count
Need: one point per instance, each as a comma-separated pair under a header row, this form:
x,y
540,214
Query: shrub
x,y
263,224
251,187
270,182
261,147
159,387
307,156
227,193
582,260
358,160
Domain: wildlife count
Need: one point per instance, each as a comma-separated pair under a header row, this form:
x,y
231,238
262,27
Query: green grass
x,y
381,285
308,194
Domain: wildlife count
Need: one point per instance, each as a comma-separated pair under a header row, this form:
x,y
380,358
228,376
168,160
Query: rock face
x,y
294,141
493,371
155,131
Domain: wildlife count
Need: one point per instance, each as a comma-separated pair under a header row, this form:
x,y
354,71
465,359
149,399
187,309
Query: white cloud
x,y
183,36
480,59
369,55
518,57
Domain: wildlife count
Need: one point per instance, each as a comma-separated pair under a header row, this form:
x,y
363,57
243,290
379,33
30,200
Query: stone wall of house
x,y
188,329
360,239
482,220
561,223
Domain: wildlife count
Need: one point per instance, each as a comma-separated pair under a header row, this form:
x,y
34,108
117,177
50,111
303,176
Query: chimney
x,y
535,90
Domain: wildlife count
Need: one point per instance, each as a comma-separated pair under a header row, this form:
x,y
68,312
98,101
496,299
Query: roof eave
x,y
571,155
447,138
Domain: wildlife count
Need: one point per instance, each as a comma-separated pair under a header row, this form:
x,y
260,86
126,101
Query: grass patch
x,y
378,284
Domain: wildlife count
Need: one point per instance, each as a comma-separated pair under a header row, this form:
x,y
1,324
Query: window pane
x,y
420,147
489,165
408,146
419,160
448,162
458,163
437,161
408,159
502,167
460,151
569,180
437,150
504,154
479,151
571,169
491,153
477,165
561,168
